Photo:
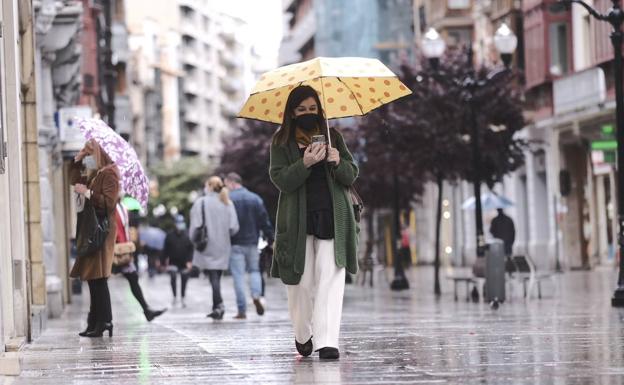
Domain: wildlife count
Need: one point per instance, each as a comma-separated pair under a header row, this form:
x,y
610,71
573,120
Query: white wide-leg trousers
x,y
315,304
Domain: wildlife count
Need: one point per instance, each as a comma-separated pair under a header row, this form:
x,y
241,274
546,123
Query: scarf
x,y
305,138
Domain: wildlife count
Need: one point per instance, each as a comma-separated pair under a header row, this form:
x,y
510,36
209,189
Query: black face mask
x,y
307,122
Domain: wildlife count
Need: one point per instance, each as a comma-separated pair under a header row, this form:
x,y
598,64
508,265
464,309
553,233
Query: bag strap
x,y
203,214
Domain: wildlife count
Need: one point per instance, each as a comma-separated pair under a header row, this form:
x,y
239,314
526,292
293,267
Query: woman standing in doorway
x,y
96,178
316,231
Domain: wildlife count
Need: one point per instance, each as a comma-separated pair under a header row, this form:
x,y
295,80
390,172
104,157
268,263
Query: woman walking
x,y
316,232
216,213
129,269
96,178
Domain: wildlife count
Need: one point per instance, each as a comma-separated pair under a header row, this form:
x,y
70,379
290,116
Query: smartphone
x,y
318,139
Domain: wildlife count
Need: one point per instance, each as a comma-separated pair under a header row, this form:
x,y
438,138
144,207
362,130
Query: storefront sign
x,y
71,137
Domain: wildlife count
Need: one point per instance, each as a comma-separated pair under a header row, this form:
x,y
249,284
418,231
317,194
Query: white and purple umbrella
x,y
133,179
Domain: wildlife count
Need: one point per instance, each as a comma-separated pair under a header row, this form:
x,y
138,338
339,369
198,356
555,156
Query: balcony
x,y
230,86
119,43
228,60
189,4
580,90
123,114
303,31
191,115
189,27
190,86
190,57
228,36
229,109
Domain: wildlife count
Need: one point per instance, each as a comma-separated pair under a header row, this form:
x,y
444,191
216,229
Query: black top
x,y
320,212
178,248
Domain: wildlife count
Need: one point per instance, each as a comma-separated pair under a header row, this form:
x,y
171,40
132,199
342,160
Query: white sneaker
x,y
183,302
175,301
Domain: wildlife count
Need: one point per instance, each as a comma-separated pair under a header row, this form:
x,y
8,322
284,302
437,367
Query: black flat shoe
x,y
151,314
304,349
99,330
329,354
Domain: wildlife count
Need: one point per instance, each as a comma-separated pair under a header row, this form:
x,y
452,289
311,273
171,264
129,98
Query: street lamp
x,y
615,17
433,48
506,42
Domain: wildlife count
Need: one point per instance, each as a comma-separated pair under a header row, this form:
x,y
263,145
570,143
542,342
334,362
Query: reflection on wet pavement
x,y
572,336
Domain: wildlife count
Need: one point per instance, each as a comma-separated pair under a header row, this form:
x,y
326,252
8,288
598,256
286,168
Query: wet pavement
x,y
571,336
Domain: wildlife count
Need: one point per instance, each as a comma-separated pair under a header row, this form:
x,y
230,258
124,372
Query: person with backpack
x,y
178,254
213,222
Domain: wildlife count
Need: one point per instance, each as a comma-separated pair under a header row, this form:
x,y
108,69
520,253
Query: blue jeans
x,y
245,259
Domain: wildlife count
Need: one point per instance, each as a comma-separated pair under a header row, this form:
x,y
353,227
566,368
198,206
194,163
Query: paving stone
x,y
571,336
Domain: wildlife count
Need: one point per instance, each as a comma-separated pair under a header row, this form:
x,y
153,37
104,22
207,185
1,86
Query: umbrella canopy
x,y
133,179
349,86
131,204
152,237
489,201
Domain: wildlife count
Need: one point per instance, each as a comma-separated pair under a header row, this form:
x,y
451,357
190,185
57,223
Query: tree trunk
x,y
436,287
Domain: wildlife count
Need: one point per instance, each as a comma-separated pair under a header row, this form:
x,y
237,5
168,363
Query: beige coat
x,y
105,191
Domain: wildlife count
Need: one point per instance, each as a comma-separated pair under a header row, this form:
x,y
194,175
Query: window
x,y
422,17
459,36
558,38
458,4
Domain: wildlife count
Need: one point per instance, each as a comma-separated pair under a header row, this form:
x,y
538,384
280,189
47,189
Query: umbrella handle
x,y
329,143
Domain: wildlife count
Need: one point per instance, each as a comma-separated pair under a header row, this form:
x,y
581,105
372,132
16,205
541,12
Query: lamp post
x,y
615,17
506,42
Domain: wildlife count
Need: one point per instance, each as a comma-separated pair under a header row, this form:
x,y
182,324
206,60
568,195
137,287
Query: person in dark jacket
x,y
178,252
252,219
502,228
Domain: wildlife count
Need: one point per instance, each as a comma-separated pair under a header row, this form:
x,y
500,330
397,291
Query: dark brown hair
x,y
298,95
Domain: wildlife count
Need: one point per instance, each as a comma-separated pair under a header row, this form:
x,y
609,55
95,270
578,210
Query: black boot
x,y
329,353
217,313
90,325
151,314
100,328
304,349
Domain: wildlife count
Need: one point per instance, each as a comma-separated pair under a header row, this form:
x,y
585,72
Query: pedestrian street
x,y
571,336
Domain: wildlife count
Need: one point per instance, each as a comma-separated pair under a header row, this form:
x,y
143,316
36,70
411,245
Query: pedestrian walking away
x,y
253,219
178,253
503,228
316,231
126,266
214,216
96,182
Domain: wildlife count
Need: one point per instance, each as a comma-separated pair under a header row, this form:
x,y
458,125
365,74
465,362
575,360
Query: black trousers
x,y
184,275
133,280
100,308
214,276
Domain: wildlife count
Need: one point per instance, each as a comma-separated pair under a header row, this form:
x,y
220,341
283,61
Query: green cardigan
x,y
289,175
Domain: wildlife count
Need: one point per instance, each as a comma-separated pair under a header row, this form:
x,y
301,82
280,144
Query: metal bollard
x,y
495,273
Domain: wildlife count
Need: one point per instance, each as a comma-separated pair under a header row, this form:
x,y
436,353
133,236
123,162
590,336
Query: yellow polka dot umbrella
x,y
348,86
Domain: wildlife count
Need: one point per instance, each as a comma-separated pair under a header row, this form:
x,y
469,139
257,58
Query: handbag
x,y
200,234
91,230
357,203
123,254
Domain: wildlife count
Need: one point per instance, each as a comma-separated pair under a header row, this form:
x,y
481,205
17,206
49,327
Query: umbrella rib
x,y
354,97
